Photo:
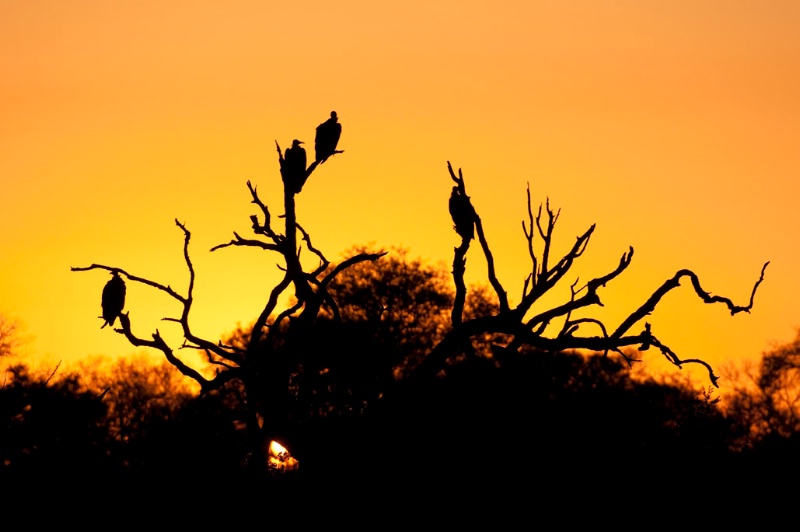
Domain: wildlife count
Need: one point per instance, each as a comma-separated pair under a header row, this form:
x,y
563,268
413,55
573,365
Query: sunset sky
x,y
674,126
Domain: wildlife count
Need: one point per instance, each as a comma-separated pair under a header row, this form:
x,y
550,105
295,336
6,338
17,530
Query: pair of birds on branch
x,y
293,165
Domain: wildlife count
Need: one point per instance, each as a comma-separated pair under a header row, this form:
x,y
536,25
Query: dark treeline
x,y
574,421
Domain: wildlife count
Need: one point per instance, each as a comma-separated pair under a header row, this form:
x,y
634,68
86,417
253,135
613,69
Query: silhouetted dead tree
x,y
276,341
523,329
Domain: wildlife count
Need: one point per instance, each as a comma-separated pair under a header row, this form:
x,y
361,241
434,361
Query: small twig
x,y
46,382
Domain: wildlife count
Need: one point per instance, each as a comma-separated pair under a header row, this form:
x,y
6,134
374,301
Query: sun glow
x,y
280,460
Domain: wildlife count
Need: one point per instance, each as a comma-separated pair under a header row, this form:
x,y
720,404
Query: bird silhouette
x,y
462,213
113,299
327,138
293,166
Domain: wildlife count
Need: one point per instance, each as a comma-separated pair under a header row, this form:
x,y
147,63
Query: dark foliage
x,y
49,429
540,418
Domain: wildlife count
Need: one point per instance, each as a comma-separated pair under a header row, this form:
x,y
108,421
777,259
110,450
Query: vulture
x,y
113,299
327,138
294,166
463,214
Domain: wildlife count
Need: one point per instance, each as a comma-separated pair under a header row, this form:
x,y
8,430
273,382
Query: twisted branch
x,y
674,282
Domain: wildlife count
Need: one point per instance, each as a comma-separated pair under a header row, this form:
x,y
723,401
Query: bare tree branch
x,y
239,241
549,278
186,301
164,288
323,265
266,228
589,298
543,278
272,302
158,343
674,282
530,281
460,261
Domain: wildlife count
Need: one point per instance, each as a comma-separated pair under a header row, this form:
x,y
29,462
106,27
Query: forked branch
x,y
543,277
186,302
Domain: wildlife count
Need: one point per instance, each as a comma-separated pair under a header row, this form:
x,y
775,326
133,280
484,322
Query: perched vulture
x,y
327,138
294,166
113,299
462,213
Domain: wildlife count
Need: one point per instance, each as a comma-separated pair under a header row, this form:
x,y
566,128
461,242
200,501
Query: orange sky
x,y
673,126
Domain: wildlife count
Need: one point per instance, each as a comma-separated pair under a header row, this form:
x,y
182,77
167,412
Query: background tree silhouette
x,y
143,398
765,397
266,362
49,428
10,337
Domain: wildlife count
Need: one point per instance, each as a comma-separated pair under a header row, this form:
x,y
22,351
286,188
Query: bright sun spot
x,y
280,460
